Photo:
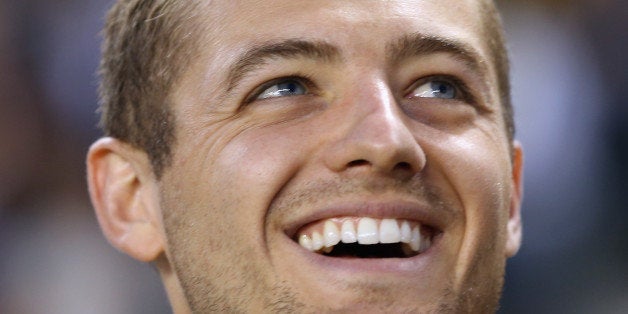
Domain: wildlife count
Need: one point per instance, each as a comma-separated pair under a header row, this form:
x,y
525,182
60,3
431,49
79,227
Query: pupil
x,y
289,88
442,88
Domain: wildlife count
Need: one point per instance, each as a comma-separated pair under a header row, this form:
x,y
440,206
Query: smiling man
x,y
310,156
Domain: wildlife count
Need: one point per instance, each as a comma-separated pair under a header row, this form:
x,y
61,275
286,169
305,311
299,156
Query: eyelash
x,y
460,86
302,79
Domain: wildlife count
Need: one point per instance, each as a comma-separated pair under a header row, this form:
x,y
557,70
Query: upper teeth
x,y
369,231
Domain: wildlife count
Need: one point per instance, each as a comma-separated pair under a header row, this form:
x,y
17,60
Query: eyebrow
x,y
288,49
406,47
419,44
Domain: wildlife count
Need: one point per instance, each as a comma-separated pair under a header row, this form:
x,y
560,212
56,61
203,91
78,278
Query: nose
x,y
374,137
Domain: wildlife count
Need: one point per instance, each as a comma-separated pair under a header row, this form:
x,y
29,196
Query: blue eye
x,y
288,87
435,89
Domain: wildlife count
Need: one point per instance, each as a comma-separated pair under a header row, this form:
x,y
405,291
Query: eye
x,y
435,89
282,88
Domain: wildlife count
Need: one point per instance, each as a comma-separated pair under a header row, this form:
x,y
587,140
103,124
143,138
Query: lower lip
x,y
410,266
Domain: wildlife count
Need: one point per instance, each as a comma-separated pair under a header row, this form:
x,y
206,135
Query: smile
x,y
366,237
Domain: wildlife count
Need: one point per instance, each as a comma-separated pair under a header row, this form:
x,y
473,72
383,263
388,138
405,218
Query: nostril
x,y
403,166
403,170
359,162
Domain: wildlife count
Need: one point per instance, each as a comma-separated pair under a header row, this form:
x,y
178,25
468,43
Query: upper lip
x,y
417,211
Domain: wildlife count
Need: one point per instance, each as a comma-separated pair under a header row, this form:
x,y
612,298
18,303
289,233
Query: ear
x,y
514,221
123,191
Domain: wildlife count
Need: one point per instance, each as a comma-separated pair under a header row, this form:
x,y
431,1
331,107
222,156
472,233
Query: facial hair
x,y
206,293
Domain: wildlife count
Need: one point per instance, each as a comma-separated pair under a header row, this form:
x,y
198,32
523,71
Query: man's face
x,y
307,124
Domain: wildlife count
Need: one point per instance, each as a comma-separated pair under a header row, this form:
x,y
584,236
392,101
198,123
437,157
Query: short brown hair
x,y
149,43
146,46
493,32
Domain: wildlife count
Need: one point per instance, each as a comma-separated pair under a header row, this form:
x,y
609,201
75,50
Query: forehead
x,y
345,20
360,29
232,25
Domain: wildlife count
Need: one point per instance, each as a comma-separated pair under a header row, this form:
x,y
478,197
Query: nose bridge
x,y
376,135
377,119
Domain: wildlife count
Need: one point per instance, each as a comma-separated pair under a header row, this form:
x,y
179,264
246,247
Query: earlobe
x,y
123,191
514,221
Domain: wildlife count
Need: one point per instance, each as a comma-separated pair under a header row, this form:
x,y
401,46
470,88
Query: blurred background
x,y
570,89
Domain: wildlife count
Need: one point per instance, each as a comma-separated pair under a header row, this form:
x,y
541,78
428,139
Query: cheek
x,y
480,175
217,195
260,161
477,168
252,169
476,172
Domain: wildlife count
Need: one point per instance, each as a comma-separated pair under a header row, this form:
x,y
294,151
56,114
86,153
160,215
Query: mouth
x,y
365,237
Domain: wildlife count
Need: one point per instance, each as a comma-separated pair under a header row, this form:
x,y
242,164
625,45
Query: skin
x,y
247,173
